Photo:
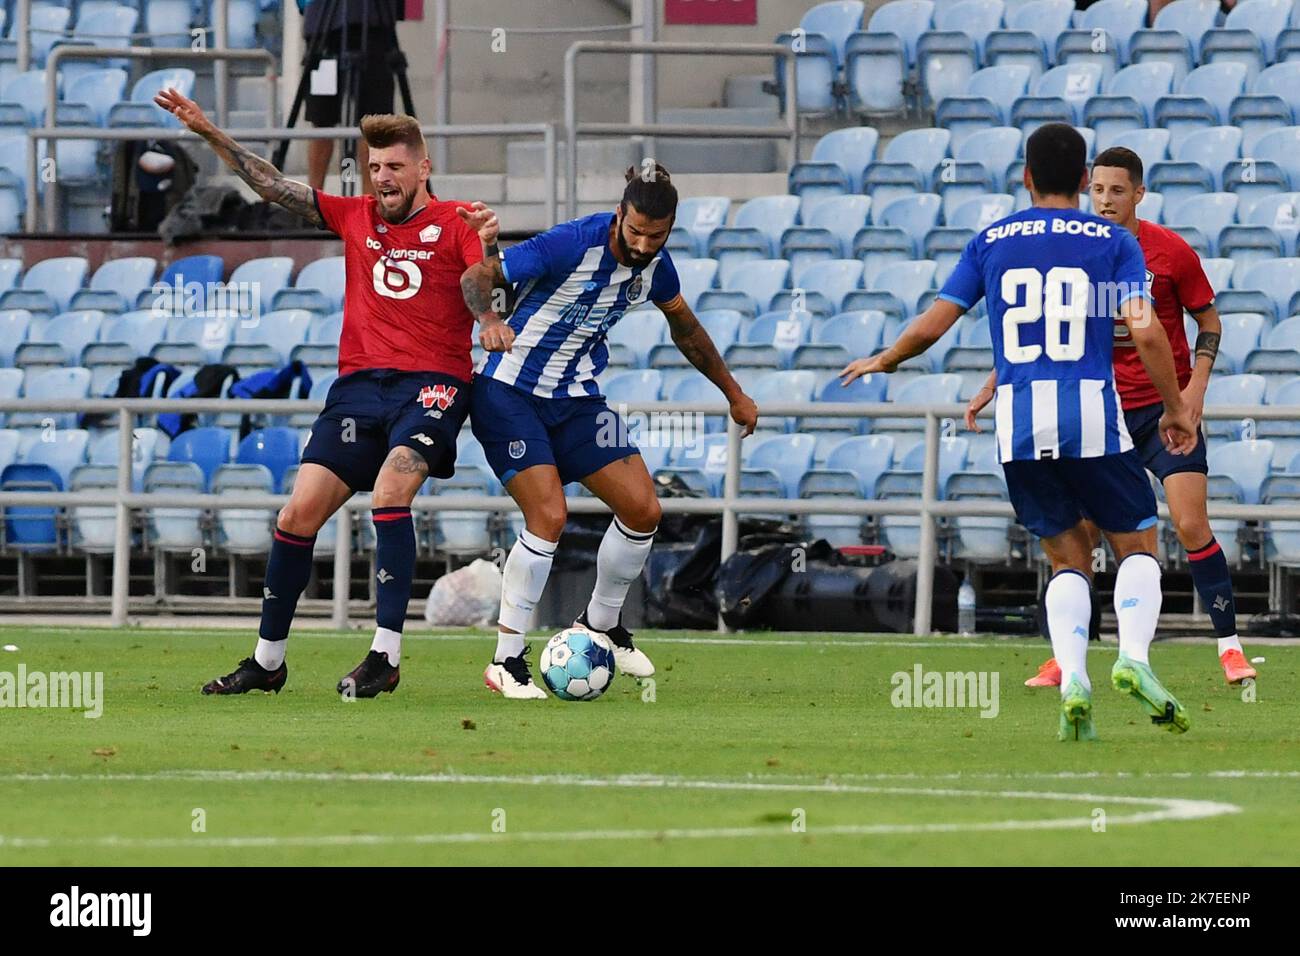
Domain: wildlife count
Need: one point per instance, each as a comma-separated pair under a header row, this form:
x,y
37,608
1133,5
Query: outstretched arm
x,y
693,341
265,180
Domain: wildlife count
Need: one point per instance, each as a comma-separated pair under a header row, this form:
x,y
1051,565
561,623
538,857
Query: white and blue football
x,y
577,664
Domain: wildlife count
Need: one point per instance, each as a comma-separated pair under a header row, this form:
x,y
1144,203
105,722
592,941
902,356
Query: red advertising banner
x,y
735,12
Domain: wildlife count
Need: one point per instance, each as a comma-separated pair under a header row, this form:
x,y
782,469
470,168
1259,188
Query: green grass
x,y
777,719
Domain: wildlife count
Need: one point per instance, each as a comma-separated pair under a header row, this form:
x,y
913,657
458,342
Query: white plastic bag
x,y
470,596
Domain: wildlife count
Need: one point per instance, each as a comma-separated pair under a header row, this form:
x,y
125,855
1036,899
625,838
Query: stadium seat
x,y
1204,99
757,229
986,102
116,285
1060,94
919,150
979,212
141,105
1248,463
915,215
1151,145
1209,212
278,332
749,287
1241,335
698,216
1120,19
830,280
140,330
245,530
191,277
60,450
696,275
1232,390
276,449
1130,100
175,529
59,383
1279,279
1254,181
263,279
14,324
1280,214
788,456
636,338
1190,19
206,448
323,278
842,153
862,459
326,329
1045,19
1244,246
73,331
1249,35
54,281
1281,146
633,387
1217,271
907,281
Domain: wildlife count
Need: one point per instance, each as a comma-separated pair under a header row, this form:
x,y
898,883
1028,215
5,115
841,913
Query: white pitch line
x,y
1167,809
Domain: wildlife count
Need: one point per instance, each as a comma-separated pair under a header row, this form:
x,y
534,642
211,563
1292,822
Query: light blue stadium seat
x,y
58,383
843,153
14,324
632,387
816,72
860,459
263,278
905,19
934,389
1119,18
1249,35
915,215
1280,214
972,364
175,529
1045,19
1204,99
1130,96
1217,271
141,330
1060,94
54,280
1076,47
981,211
1232,390
1243,246
748,288
695,276
1210,212
147,445
827,232
637,336
150,85
48,24
1189,18
168,22
831,280
208,333
279,331
1279,280
906,280
784,331
1177,181
61,450
795,385
946,62
995,148
1212,148
326,329
758,226
1282,146
702,464
699,216
1151,145
1246,462
921,150
1241,334
324,276
877,246
27,90
117,284
1283,81
244,530
986,101
72,330
788,456
953,454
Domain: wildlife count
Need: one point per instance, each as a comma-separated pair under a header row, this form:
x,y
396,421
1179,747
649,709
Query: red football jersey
x,y
1177,282
403,307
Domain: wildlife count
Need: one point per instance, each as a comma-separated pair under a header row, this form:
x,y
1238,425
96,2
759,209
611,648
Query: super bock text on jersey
x,y
1053,280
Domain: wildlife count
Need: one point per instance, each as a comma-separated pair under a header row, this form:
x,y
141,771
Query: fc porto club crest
x,y
517,449
430,233
634,289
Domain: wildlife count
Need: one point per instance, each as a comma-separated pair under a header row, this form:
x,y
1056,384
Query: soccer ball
x,y
577,664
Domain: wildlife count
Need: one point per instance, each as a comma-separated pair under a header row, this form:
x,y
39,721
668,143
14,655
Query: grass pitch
x,y
780,748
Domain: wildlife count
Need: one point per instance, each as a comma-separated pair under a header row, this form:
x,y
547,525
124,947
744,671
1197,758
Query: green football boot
x,y
1076,713
1137,680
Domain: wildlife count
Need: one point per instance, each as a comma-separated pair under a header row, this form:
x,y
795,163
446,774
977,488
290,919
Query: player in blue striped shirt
x,y
1055,278
538,412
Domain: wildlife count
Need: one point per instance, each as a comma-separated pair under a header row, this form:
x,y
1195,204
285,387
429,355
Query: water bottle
x,y
966,609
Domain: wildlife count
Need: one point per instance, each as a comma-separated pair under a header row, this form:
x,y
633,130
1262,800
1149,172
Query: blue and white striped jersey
x,y
569,291
1055,279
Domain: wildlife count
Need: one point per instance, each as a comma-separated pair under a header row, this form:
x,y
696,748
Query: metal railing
x,y
730,505
574,129
547,132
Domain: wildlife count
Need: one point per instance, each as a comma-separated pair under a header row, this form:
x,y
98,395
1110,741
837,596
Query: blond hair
x,y
381,130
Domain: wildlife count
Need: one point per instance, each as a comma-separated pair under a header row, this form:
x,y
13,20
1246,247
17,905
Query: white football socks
x,y
619,562
270,654
1230,643
523,581
1137,605
388,642
1069,612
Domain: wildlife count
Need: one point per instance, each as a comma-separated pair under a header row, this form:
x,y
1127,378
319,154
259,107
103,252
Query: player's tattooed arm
x,y
489,295
264,179
693,341
926,329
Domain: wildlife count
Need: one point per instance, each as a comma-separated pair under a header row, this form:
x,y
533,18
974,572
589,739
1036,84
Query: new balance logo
x,y
383,576
1220,603
266,593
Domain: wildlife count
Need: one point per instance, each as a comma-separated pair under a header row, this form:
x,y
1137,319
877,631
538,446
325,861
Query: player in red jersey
x,y
392,417
1178,283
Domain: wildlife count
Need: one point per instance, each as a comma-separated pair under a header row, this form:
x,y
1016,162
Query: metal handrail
x,y
658,48
547,131
730,505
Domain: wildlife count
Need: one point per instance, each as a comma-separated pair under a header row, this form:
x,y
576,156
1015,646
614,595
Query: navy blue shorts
x,y
517,430
370,412
1053,494
1144,428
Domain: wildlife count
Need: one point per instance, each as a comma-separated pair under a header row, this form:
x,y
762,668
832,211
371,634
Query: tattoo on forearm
x,y
485,289
491,251
1207,344
700,351
267,181
406,462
